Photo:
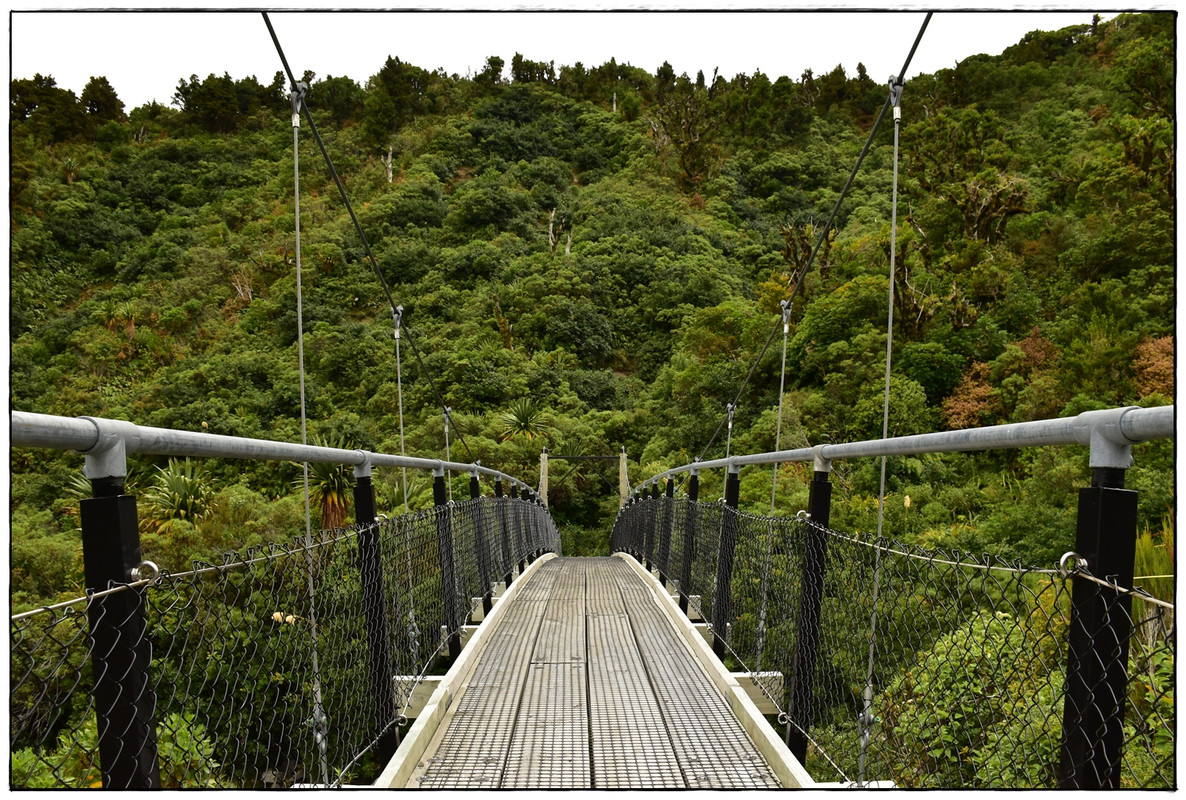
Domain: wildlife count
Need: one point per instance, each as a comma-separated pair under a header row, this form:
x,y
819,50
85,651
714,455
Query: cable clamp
x,y
1080,563
141,571
895,86
298,96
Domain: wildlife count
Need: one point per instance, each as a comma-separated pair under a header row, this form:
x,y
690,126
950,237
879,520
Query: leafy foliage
x,y
598,252
181,492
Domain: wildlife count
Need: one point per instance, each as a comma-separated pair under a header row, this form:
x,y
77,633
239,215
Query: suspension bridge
x,y
457,647
715,649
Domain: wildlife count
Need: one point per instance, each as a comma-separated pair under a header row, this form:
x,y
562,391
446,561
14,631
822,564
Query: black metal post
x,y
504,535
665,533
528,529
537,531
691,528
651,520
802,679
637,530
1100,629
518,533
722,600
125,702
440,498
537,527
475,493
620,538
374,607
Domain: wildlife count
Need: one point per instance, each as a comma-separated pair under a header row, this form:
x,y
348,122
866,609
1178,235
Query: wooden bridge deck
x,y
585,682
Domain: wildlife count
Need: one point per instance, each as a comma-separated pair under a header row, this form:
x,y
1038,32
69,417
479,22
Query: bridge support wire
x,y
867,711
769,563
354,218
397,318
318,721
826,227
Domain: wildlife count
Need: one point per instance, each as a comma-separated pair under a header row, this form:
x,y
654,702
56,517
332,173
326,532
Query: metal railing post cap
x,y
438,469
821,463
107,458
734,467
363,468
1101,432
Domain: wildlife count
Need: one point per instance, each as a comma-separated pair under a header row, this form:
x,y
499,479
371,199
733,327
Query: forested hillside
x,y
590,258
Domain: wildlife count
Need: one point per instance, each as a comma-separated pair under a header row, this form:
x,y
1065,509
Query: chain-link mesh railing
x,y
267,668
922,668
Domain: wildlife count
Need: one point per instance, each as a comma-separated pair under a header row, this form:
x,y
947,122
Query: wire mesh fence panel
x,y
465,548
280,666
414,589
681,554
1139,745
709,524
925,668
52,739
694,542
1149,735
252,656
961,662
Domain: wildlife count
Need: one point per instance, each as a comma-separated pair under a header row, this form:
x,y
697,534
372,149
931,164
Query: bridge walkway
x,y
584,681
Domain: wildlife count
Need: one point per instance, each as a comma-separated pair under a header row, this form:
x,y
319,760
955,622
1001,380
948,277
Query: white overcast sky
x,y
144,54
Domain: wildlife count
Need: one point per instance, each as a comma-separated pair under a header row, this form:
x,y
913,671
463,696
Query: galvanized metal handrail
x,y
1110,434
106,442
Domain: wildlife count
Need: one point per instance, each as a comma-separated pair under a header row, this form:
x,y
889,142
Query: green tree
x,y
180,491
212,103
101,102
394,97
330,488
524,418
50,113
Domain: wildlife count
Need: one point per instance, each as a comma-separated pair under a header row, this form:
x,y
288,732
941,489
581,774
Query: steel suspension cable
x,y
896,93
358,227
827,226
782,382
768,566
866,720
448,454
399,388
320,731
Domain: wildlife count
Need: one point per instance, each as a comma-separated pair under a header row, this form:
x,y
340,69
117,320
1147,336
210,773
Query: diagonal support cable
x,y
362,236
827,226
